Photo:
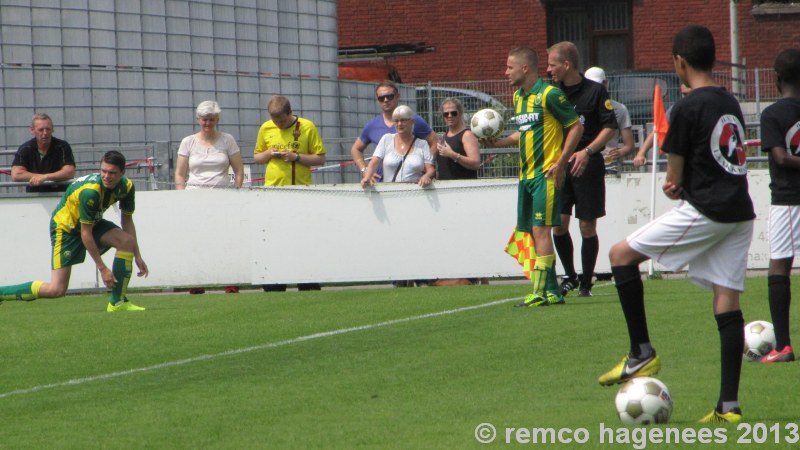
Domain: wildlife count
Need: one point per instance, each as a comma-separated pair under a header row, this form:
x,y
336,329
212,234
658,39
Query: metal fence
x,y
145,166
755,89
153,163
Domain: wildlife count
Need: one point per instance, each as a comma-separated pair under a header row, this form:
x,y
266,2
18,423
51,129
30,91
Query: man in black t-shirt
x,y
780,138
585,186
710,229
43,158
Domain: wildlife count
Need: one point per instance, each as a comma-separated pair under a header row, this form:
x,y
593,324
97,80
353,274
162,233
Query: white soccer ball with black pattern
x,y
643,400
487,123
759,339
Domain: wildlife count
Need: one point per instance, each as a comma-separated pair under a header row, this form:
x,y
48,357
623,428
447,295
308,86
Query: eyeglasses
x,y
402,120
449,114
387,97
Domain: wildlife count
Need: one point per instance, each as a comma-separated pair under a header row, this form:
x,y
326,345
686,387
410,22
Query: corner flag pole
x,y
653,172
660,125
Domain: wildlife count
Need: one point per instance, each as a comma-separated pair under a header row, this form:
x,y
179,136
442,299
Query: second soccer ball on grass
x,y
759,339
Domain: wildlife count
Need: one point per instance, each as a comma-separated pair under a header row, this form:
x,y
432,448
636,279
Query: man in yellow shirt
x,y
288,144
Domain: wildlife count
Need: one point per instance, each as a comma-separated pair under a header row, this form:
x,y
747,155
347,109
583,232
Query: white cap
x,y
595,74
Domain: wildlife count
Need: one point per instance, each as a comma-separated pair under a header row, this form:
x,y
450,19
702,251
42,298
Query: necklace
x,y
402,145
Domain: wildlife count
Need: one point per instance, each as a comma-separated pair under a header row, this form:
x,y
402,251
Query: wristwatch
x,y
589,151
297,159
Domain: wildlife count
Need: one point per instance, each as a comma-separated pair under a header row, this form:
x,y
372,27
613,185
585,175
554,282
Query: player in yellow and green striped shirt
x,y
77,227
548,130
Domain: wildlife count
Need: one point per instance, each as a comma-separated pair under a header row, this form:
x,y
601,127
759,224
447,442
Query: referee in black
x,y
585,187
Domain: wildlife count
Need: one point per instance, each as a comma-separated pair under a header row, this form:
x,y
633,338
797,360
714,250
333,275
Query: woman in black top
x,y
459,153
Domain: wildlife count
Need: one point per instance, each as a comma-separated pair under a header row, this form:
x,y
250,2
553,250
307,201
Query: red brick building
x,y
469,40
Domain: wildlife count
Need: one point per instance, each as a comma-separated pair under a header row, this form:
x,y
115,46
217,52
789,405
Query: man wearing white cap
x,y
624,135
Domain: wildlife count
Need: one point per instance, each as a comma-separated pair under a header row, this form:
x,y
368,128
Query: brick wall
x,y
471,39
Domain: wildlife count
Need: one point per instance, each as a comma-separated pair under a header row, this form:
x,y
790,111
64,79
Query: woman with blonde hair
x,y
459,152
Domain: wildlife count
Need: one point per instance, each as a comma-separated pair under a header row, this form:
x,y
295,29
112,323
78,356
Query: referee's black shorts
x,y
587,193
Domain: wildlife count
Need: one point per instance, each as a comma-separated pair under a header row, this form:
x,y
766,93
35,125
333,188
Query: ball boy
x,y
709,230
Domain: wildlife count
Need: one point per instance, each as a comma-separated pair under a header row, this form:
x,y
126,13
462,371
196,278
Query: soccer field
x,y
366,368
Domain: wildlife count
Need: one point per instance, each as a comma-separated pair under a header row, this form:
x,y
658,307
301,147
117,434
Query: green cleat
x,y
631,368
124,306
732,416
532,300
555,299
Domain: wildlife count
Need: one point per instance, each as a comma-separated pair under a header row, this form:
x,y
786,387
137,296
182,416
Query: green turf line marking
x,y
201,358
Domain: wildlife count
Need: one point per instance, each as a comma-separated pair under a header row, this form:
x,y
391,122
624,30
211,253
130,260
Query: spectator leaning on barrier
x,y
289,145
43,158
204,157
404,157
622,142
388,97
77,227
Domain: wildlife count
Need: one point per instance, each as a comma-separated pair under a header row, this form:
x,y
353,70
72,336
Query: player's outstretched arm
x,y
511,140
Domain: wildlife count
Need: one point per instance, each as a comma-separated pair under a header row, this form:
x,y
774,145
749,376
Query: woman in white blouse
x,y
204,157
405,158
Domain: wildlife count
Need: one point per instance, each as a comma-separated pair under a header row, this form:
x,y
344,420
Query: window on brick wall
x,y
600,29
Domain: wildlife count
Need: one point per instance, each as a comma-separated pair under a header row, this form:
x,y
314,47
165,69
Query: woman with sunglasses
x,y
403,157
459,152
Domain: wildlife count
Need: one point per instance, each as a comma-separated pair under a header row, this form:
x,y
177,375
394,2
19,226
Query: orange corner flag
x,y
520,247
659,116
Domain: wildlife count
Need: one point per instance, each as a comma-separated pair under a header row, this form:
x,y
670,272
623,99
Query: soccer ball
x,y
643,400
486,124
759,339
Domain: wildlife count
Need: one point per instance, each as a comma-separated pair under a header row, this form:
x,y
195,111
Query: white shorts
x,y
715,252
784,231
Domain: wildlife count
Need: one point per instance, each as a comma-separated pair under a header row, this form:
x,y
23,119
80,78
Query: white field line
x,y
269,345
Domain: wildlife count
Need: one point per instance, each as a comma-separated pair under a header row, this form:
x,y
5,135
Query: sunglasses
x,y
450,114
387,97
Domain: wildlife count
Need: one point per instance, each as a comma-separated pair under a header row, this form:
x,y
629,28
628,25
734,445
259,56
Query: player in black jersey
x,y
710,229
780,138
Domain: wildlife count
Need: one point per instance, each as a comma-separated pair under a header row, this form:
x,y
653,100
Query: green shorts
x,y
68,249
538,204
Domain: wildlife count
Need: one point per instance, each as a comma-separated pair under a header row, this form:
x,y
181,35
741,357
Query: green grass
x,y
404,380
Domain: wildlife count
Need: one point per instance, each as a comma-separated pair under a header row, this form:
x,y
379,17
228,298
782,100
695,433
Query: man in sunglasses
x,y
388,97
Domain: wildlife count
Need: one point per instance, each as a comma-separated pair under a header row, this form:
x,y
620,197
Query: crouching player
x,y
77,227
709,230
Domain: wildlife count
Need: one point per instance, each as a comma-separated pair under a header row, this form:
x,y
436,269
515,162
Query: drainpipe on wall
x,y
736,86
